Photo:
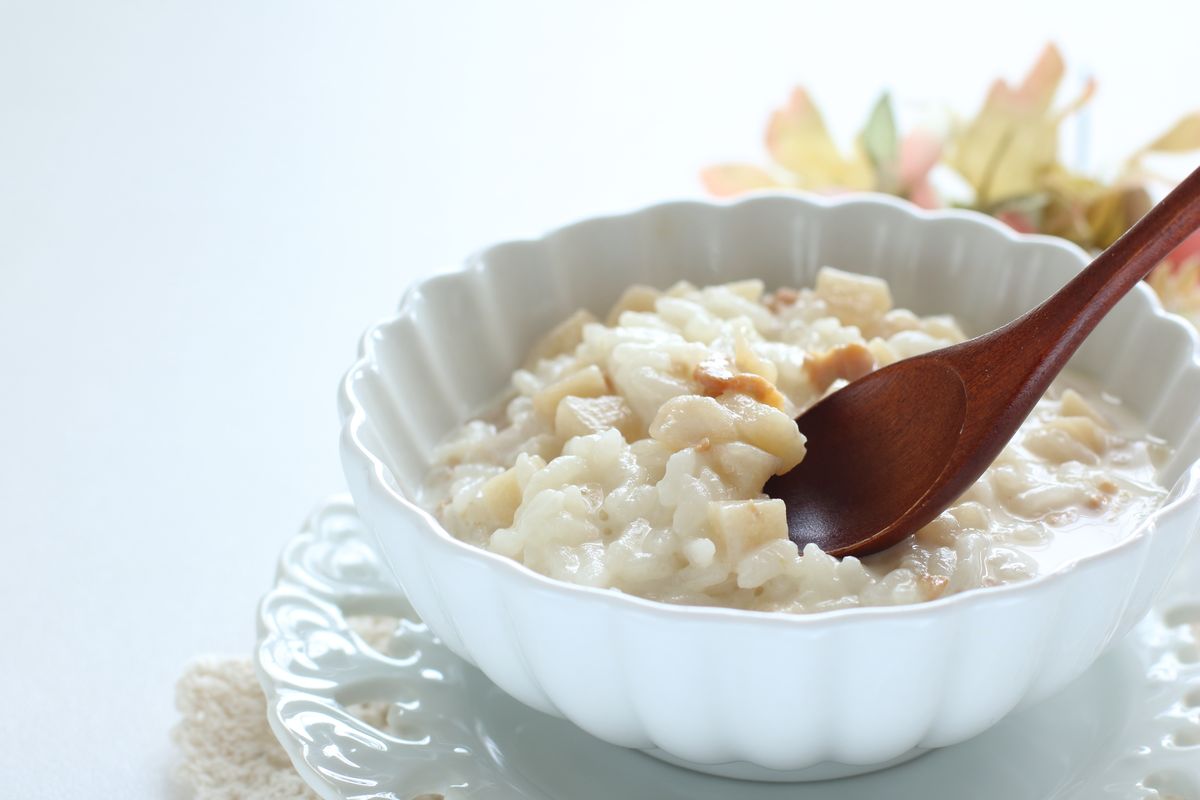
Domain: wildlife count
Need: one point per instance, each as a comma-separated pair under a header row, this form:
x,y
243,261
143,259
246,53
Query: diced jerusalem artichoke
x,y
501,496
740,526
750,289
1073,405
859,300
580,416
1082,429
587,382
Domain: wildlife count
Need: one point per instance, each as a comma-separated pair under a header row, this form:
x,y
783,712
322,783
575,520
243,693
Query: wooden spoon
x,y
892,450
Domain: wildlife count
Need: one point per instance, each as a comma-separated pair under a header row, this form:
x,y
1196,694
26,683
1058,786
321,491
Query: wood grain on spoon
x,y
892,450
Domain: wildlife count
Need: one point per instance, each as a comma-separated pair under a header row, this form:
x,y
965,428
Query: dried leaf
x,y
725,180
1036,93
1114,212
1183,137
1006,150
1088,212
799,142
880,143
1067,198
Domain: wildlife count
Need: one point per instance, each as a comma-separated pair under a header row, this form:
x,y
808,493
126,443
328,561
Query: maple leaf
x,y
799,142
1005,151
1184,136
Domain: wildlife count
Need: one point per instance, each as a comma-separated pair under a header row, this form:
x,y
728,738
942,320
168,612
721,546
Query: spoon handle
x,y
1049,334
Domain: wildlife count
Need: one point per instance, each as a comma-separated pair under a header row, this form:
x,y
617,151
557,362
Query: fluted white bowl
x,y
744,693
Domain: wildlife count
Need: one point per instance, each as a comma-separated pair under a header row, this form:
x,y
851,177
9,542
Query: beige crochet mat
x,y
227,747
229,752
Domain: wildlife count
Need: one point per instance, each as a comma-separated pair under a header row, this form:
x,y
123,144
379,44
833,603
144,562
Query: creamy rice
x,y
633,453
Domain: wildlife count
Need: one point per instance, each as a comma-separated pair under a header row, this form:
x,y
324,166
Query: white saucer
x,y
1129,728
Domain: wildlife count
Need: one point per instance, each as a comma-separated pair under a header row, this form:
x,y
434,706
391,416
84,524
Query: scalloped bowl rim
x,y
1185,490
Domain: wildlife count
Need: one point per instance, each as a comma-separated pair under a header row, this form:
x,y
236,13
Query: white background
x,y
203,204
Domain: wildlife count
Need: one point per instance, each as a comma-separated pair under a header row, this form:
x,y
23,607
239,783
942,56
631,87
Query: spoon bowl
x,y
878,452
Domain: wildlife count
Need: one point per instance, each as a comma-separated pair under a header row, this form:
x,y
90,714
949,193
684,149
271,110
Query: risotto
x,y
633,451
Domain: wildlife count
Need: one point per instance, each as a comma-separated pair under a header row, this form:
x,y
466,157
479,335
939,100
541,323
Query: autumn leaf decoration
x,y
804,156
1006,155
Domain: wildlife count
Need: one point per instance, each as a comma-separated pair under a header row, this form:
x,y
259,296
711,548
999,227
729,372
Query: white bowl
x,y
744,693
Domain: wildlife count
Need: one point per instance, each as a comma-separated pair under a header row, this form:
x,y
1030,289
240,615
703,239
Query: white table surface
x,y
202,205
